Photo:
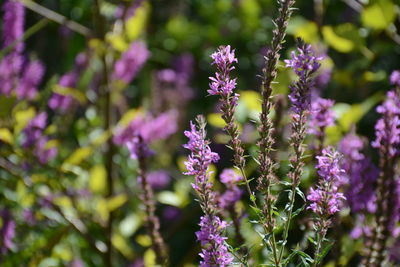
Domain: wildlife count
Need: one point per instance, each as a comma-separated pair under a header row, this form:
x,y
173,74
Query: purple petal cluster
x,y
321,116
387,129
158,180
130,63
325,198
214,252
395,78
7,231
149,129
63,103
35,140
360,175
304,63
222,84
232,193
13,24
30,80
201,155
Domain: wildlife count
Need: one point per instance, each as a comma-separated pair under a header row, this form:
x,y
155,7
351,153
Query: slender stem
x,y
153,222
320,237
109,117
54,16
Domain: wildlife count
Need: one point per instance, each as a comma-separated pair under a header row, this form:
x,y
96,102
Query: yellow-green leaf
x,y
22,118
122,245
136,24
68,91
251,99
379,15
6,136
97,179
215,120
339,43
77,156
116,202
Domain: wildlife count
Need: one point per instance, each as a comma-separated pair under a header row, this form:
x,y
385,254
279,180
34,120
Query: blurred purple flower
x,y
229,176
7,231
171,213
10,67
395,78
158,180
322,116
13,24
127,67
360,175
28,84
34,129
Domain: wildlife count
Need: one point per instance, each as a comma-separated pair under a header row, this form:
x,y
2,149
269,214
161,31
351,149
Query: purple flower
x,y
70,79
360,175
10,67
158,180
325,198
127,67
30,80
222,84
7,231
201,156
229,176
33,131
322,116
43,153
304,64
229,198
13,24
387,129
148,128
214,252
395,78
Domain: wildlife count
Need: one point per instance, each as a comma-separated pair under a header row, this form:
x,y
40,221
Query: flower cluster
x,y
148,128
232,193
395,78
7,231
360,174
304,64
325,199
63,102
214,252
322,116
35,140
388,127
222,84
15,71
130,63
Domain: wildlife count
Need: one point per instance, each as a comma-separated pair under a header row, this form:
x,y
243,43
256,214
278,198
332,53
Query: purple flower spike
x,y
32,75
395,78
222,84
325,199
215,252
7,231
304,64
322,116
13,24
127,67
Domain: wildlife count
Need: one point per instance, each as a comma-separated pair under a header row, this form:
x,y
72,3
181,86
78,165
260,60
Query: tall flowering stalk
x,y
387,141
325,200
214,251
305,64
265,129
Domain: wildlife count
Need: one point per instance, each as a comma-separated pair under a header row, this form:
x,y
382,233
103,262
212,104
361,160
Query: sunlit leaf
x,y
22,117
215,120
136,24
116,202
77,156
122,245
97,179
379,15
6,136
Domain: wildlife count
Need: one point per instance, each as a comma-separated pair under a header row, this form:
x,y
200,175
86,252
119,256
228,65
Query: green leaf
x,y
77,157
343,38
97,179
379,15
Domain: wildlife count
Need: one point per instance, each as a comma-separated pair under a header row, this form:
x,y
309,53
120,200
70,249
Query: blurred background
x,y
62,207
